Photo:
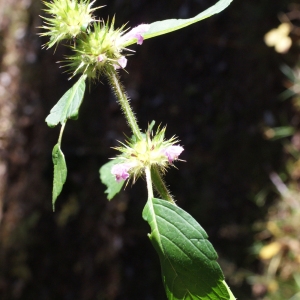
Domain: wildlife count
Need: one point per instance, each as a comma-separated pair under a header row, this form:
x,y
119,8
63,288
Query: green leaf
x,y
276,133
60,173
188,260
166,26
108,179
68,105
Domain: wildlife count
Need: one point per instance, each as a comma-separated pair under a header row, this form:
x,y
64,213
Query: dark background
x,y
215,84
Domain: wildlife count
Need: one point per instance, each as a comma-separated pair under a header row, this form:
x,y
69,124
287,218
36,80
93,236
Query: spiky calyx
x,y
97,46
97,51
101,49
68,19
151,150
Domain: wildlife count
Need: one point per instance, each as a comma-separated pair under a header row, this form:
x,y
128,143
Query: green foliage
x,y
68,105
108,179
60,172
188,260
66,108
277,133
166,26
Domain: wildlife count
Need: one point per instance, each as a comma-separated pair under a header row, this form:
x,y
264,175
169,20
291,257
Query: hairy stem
x,y
160,186
124,102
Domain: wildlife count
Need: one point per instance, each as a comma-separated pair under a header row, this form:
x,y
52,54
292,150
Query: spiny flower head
x,y
151,150
102,48
97,50
97,46
68,18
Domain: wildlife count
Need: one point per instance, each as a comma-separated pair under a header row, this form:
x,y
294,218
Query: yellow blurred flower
x,y
274,229
269,250
279,38
273,286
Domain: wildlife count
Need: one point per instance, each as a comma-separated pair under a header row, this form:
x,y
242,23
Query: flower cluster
x,y
146,152
97,45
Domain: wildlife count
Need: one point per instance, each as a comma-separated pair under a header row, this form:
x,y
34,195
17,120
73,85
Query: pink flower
x,y
136,33
100,57
172,152
122,62
121,171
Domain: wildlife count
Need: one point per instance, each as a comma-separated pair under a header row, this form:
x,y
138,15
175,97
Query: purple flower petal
x,y
122,62
136,33
172,152
121,171
100,57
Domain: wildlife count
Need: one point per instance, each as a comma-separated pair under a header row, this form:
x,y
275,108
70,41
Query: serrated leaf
x,y
108,179
60,172
166,26
68,105
188,260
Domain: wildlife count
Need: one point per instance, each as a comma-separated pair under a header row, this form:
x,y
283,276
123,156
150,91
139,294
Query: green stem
x,y
160,186
149,183
61,132
124,102
148,212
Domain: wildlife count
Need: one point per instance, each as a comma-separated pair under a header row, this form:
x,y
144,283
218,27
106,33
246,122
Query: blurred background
x,y
227,87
